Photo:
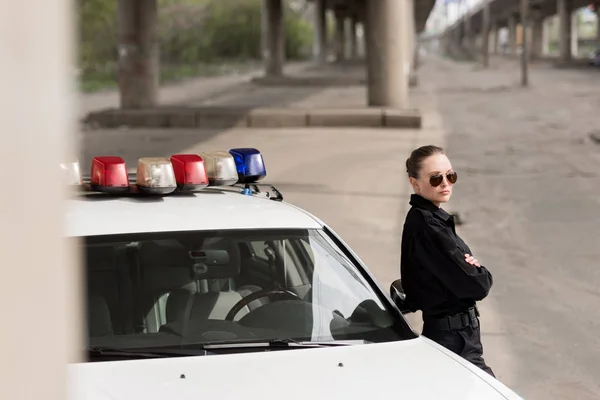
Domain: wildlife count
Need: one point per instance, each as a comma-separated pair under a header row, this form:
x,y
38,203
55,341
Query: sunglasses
x,y
436,180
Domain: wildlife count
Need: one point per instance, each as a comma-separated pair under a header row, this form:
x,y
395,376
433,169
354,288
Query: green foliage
x,y
298,35
97,33
190,33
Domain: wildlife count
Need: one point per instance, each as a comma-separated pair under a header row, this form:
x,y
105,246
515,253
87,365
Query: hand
x,y
472,260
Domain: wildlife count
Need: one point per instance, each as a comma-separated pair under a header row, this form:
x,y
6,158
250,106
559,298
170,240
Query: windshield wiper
x,y
144,353
279,343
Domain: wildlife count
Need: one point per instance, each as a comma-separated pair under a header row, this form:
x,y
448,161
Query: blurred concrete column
x,y
352,32
361,16
138,53
320,38
43,325
512,34
469,39
388,58
537,33
275,56
264,33
411,41
546,36
493,45
340,35
564,8
574,34
461,35
485,36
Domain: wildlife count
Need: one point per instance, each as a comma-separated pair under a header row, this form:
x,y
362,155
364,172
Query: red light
x,y
190,172
109,174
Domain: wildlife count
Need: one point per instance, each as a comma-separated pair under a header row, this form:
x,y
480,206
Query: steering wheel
x,y
257,295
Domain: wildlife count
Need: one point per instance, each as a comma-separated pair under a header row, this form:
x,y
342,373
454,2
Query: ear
x,y
413,183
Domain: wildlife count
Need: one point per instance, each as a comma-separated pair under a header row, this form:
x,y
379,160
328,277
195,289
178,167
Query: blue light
x,y
249,163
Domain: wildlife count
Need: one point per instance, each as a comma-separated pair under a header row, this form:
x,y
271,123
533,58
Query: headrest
x,y
98,314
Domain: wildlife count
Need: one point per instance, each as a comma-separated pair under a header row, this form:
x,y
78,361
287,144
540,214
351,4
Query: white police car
x,y
201,286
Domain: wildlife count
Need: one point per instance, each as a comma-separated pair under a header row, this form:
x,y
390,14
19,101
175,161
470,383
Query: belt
x,y
454,322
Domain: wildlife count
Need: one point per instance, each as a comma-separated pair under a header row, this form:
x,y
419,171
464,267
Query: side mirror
x,y
399,297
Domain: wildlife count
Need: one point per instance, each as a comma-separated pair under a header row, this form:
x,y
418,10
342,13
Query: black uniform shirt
x,y
435,276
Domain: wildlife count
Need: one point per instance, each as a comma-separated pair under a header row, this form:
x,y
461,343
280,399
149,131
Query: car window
x,y
156,290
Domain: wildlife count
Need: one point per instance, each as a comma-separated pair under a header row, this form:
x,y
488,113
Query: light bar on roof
x,y
72,173
109,174
220,168
190,172
249,163
155,175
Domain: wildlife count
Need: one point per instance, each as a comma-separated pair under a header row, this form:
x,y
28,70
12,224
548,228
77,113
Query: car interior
x,y
177,289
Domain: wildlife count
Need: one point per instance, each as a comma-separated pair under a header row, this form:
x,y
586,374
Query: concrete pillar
x,y
320,38
352,25
525,43
486,36
40,110
469,39
388,59
512,34
458,38
138,53
574,34
546,36
340,36
564,8
264,34
537,32
275,56
529,35
411,40
416,53
493,40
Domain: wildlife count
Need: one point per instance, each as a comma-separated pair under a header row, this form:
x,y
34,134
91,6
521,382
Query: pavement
x,y
190,90
530,203
527,191
294,100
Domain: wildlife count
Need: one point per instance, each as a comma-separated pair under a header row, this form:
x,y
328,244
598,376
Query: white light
x,y
71,173
220,168
156,173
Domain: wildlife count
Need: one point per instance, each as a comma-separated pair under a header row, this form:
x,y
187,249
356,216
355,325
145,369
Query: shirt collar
x,y
421,202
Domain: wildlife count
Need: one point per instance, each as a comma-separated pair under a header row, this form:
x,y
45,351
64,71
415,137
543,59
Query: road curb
x,y
243,117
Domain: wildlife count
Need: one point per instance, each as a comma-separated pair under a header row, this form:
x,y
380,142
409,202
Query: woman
x,y
439,275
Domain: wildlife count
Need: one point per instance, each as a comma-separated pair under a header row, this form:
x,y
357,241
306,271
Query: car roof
x,y
92,214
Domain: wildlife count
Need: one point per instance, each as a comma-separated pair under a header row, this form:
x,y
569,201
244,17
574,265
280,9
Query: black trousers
x,y
465,342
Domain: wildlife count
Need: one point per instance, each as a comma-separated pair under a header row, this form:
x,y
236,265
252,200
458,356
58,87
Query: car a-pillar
x,y
138,53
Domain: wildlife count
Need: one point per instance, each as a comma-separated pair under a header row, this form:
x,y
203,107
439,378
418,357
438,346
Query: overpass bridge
x,y
390,29
477,30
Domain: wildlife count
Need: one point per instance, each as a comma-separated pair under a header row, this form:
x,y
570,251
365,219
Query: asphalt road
x,y
529,191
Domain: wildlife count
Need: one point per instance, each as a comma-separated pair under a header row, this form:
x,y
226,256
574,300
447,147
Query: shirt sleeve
x,y
436,249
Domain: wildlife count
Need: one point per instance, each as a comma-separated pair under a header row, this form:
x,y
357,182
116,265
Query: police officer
x,y
439,274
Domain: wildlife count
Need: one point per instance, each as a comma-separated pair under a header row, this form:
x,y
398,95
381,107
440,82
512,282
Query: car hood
x,y
411,369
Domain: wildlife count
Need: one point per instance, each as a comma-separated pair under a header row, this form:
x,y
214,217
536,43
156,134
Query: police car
x,y
202,283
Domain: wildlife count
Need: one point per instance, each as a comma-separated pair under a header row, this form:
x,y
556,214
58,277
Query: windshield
x,y
173,289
